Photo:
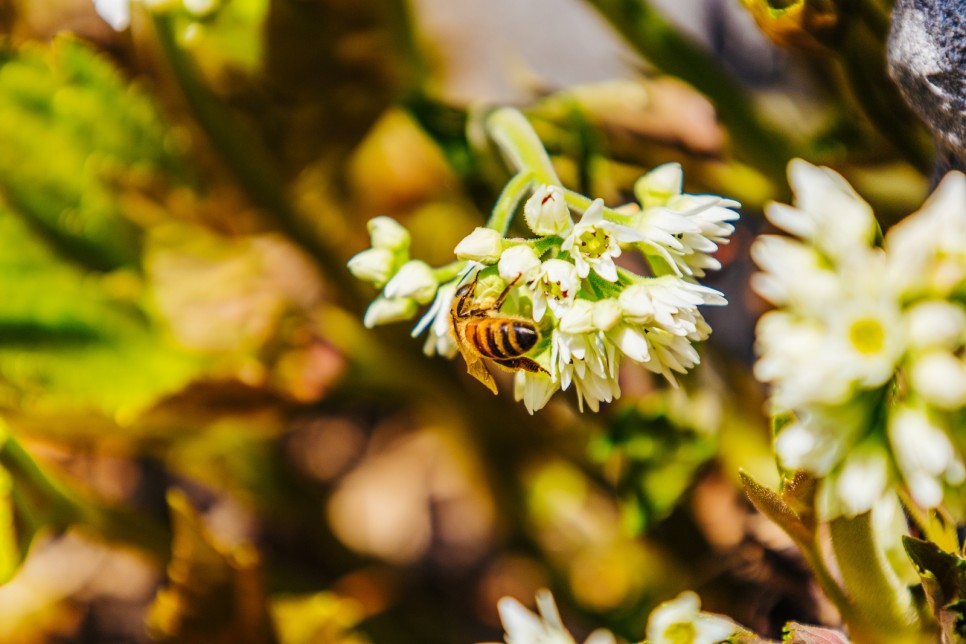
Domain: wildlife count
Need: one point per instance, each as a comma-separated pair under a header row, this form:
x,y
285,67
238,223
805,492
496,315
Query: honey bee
x,y
484,333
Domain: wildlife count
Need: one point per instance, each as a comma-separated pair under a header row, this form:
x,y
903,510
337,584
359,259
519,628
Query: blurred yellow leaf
x,y
214,593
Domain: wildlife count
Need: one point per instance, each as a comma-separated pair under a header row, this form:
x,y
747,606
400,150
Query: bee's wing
x,y
477,368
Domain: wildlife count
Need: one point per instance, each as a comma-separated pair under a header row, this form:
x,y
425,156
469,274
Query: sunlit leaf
x,y
322,618
943,577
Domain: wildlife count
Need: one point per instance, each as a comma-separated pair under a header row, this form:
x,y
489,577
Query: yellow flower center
x,y
867,336
681,633
594,242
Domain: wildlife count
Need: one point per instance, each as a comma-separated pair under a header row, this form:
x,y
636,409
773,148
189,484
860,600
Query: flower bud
x,y
940,378
414,280
489,287
386,232
607,313
636,303
660,184
373,265
546,212
519,262
387,310
936,324
482,245
578,318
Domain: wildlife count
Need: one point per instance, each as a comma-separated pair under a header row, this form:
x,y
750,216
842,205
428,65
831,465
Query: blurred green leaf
x,y
73,340
657,453
71,132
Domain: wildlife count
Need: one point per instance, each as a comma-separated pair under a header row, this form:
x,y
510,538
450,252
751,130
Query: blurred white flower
x,y
925,455
936,324
827,211
414,279
861,482
544,627
680,621
483,245
940,378
546,212
927,250
860,332
116,13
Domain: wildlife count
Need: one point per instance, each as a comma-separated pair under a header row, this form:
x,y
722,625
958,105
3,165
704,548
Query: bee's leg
x,y
465,293
526,364
506,291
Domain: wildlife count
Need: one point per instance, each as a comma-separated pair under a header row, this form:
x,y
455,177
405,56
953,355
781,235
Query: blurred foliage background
x,y
200,441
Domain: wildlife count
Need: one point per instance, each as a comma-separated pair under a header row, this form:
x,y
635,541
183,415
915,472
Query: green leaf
x,y
943,577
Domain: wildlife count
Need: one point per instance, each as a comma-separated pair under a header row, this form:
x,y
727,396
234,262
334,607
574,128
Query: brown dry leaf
x,y
214,593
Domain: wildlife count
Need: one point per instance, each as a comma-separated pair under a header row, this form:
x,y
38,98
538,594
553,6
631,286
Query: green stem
x,y
884,606
509,200
511,131
647,31
248,160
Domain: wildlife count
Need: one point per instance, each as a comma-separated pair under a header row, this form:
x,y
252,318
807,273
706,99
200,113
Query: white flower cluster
x,y
590,312
865,348
678,621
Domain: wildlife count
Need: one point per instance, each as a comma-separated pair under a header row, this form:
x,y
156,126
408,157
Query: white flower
x,y
680,621
924,454
668,302
556,286
534,389
827,211
544,627
519,263
936,324
116,13
439,340
660,184
940,378
583,356
927,250
794,274
861,482
594,243
483,245
818,439
867,333
386,232
373,265
414,280
546,212
387,310
607,314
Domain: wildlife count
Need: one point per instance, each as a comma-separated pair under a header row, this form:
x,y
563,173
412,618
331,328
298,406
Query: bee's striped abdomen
x,y
501,338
